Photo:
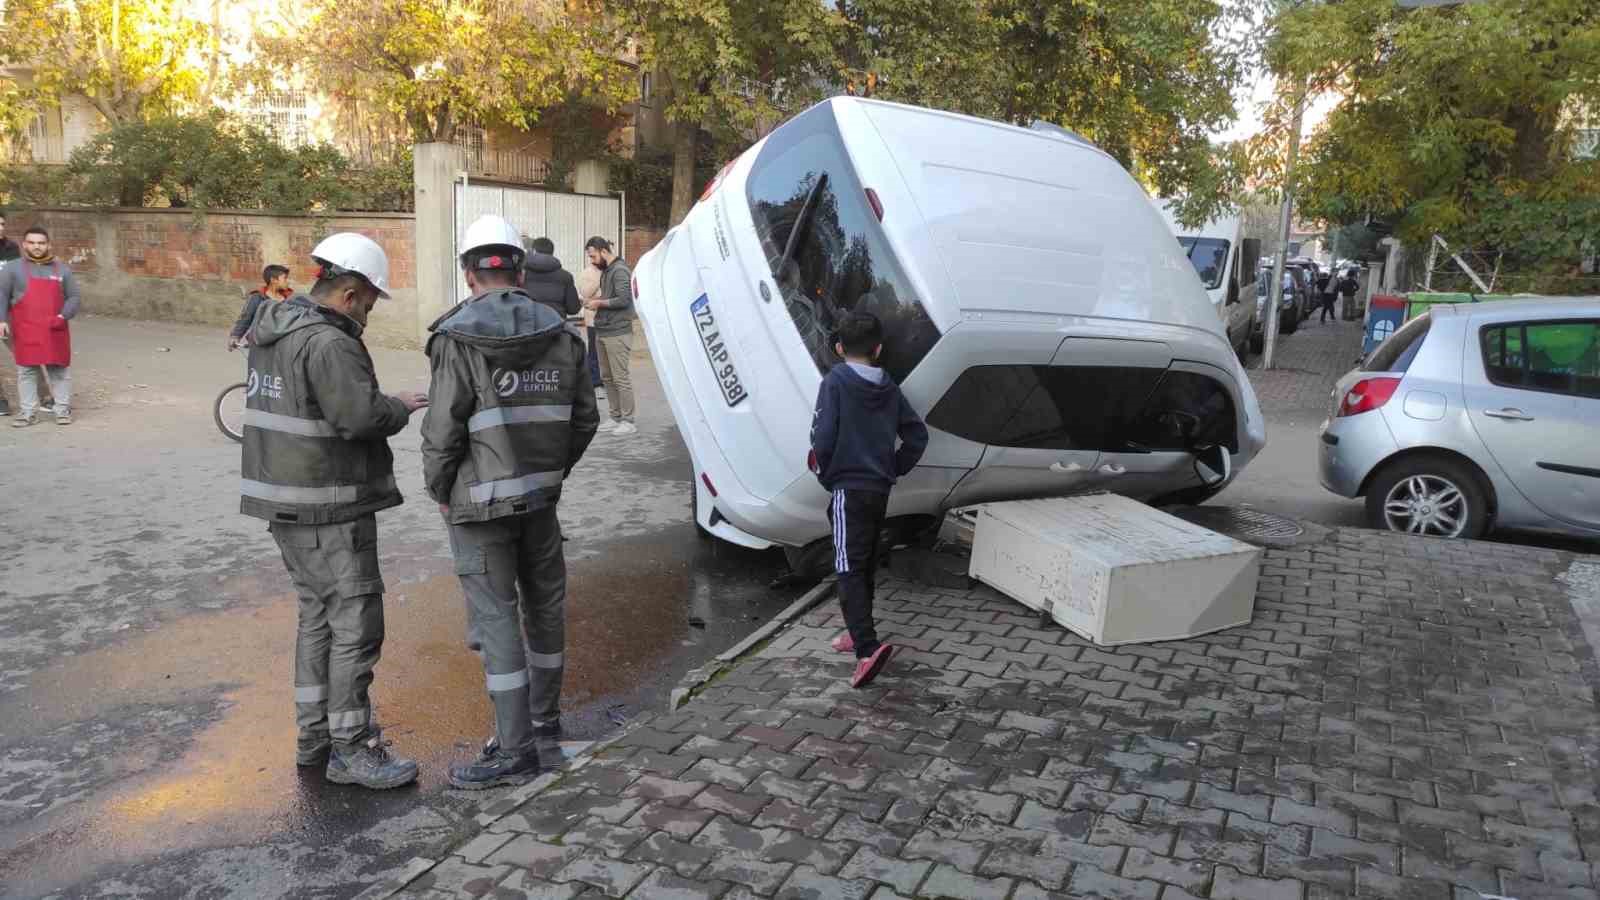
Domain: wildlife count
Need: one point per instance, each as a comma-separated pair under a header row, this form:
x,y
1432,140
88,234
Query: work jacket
x,y
545,281
511,409
315,426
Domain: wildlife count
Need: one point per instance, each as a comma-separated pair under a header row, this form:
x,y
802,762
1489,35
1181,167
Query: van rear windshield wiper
x,y
806,207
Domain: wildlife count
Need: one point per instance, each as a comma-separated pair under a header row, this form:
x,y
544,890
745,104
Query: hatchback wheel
x,y
1431,495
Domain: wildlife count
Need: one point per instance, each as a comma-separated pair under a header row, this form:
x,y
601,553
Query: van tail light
x,y
716,181
706,479
1367,395
877,205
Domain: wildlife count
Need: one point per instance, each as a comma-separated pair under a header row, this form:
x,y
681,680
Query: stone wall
x,y
180,266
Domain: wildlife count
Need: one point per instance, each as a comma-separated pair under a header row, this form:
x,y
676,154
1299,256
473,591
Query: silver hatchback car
x,y
1475,416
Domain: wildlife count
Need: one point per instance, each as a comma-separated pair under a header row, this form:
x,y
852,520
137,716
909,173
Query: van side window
x,y
1108,408
1555,357
841,260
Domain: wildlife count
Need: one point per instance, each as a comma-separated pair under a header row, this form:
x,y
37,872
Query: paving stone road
x,y
1404,718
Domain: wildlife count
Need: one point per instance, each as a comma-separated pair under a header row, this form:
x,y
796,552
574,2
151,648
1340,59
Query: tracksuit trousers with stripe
x,y
335,572
514,576
857,518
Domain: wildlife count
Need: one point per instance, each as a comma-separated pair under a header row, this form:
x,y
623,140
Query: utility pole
x,y
1285,221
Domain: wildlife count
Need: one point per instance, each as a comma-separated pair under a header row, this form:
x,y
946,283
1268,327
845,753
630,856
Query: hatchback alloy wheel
x,y
1426,504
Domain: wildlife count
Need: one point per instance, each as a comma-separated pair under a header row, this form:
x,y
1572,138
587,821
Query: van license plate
x,y
717,352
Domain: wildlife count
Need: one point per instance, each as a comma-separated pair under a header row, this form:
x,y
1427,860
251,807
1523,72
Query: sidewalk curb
x,y
490,812
699,678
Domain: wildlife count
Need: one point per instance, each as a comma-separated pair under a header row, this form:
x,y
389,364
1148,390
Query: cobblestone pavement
x,y
1404,718
1306,364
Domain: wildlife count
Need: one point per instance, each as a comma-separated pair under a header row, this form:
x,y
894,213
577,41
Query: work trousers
x,y
514,577
616,358
335,572
857,518
60,378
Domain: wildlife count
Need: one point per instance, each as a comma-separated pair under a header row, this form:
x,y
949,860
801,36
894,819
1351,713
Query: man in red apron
x,y
41,296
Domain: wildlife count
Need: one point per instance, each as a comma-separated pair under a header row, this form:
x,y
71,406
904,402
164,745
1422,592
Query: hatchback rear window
x,y
1399,349
1108,408
840,259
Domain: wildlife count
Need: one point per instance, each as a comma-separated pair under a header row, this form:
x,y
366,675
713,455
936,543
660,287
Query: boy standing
x,y
859,414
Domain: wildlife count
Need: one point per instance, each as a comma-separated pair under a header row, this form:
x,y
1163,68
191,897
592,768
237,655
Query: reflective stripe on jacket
x,y
316,426
511,409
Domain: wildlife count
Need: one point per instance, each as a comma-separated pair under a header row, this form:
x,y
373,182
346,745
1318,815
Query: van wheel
x,y
814,561
1431,495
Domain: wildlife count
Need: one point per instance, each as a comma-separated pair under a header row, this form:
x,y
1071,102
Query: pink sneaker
x,y
868,669
843,644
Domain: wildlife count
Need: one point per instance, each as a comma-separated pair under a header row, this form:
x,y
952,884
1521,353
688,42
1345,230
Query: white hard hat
x,y
355,253
492,231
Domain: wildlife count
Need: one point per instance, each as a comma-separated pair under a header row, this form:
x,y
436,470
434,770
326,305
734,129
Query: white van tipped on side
x,y
1037,312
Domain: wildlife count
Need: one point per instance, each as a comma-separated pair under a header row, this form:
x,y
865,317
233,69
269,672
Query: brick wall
x,y
179,266
638,240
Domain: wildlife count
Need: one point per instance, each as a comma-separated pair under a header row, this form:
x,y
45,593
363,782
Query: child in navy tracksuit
x,y
859,414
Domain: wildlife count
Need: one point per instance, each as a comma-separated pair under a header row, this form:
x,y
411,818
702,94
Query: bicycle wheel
x,y
229,411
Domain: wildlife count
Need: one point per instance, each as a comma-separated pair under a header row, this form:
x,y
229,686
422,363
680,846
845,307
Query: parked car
x,y
1289,304
1038,314
1226,262
1475,416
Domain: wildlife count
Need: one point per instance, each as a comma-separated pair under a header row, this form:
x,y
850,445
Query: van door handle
x,y
1067,469
1114,469
1515,415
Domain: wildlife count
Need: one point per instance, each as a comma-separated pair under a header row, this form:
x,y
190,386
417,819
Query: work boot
x,y
495,767
370,765
63,417
312,751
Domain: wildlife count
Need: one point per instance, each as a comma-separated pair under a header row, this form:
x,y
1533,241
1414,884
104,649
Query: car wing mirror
x,y
1213,464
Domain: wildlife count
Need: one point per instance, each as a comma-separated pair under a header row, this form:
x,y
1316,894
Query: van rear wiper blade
x,y
800,220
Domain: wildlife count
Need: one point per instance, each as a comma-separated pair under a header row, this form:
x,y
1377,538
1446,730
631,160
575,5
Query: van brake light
x,y
716,180
877,205
1366,395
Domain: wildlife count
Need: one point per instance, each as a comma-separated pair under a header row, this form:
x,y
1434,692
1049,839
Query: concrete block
x,y
1115,570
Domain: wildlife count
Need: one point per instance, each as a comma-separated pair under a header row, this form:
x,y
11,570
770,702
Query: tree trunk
x,y
684,140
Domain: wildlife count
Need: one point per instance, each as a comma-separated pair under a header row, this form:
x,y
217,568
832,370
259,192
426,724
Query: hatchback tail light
x,y
1366,395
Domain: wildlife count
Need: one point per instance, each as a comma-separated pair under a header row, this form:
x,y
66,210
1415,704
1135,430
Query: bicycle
x,y
228,410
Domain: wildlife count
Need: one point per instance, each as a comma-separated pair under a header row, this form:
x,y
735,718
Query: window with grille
x,y
472,138
282,114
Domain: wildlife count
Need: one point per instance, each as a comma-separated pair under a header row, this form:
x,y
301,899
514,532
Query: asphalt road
x,y
146,632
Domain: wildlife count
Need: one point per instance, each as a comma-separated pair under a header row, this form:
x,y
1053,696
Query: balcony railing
x,y
506,165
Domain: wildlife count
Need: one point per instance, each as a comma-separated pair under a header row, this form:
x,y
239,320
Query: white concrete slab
x,y
1115,570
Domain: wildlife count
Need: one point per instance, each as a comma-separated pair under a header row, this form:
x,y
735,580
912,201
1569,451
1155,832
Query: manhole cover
x,y
1243,523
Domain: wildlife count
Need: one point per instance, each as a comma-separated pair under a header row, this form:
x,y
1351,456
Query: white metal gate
x,y
567,219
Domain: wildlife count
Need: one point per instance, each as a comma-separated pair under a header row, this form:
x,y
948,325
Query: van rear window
x,y
1108,408
840,260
